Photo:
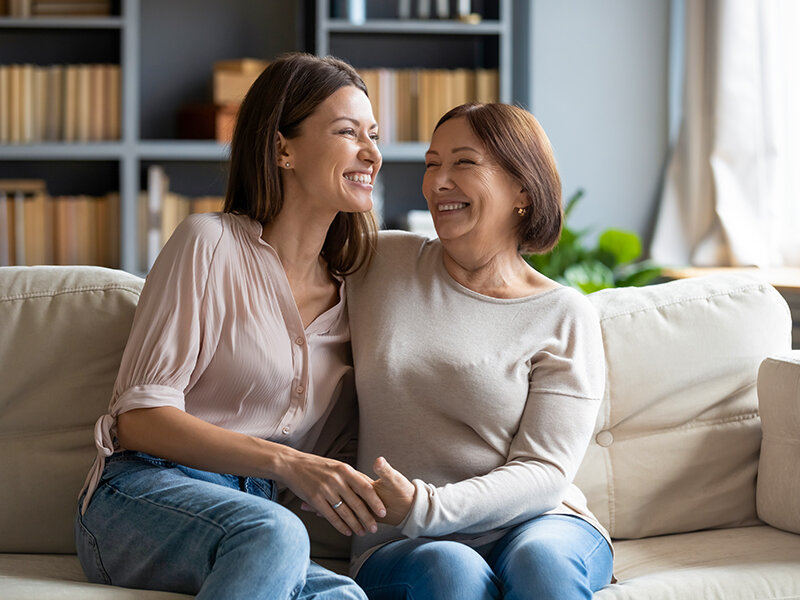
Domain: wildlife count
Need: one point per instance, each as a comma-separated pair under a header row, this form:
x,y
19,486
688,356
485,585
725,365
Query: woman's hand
x,y
396,491
322,483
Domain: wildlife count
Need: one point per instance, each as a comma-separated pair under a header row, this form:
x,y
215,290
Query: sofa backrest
x,y
62,333
678,435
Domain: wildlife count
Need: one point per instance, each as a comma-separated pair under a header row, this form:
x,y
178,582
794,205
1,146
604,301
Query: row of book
x,y
68,103
407,103
161,210
23,9
38,229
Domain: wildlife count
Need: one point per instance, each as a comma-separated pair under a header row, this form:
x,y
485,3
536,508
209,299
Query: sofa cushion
x,y
778,491
59,577
677,440
725,564
62,333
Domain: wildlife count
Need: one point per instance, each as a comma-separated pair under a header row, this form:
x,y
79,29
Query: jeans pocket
x,y
89,553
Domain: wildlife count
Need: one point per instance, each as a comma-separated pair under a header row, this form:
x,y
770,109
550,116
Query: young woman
x,y
479,380
237,357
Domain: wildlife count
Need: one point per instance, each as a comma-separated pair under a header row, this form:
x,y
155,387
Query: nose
x,y
369,152
440,179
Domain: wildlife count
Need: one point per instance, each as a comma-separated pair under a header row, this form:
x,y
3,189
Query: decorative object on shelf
x,y
403,9
232,79
24,9
465,14
612,263
424,9
357,11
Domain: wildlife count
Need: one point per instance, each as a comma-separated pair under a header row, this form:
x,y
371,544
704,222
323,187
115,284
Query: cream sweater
x,y
486,404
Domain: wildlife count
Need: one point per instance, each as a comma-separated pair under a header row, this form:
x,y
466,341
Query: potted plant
x,y
613,262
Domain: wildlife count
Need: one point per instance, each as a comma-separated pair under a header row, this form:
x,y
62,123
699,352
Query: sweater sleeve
x,y
567,380
164,343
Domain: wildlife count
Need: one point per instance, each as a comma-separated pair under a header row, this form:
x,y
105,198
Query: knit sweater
x,y
486,404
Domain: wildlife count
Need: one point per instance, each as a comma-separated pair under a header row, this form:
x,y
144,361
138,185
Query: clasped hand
x,y
388,498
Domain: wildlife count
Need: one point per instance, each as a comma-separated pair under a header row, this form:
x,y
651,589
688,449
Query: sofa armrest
x,y
778,487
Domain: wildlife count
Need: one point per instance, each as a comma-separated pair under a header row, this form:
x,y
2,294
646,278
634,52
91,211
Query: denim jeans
x,y
158,525
552,557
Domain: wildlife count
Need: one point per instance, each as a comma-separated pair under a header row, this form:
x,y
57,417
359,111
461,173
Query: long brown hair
x,y
515,140
284,95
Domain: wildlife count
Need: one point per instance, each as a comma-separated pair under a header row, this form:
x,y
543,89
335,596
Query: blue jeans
x,y
552,557
158,525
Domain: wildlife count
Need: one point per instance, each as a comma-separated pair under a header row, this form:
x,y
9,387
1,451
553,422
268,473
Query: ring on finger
x,y
337,505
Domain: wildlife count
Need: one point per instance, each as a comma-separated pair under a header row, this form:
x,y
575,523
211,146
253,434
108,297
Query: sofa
x,y
694,467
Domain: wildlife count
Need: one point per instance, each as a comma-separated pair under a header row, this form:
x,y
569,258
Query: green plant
x,y
612,263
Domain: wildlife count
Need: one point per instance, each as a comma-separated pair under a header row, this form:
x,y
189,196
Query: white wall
x,y
599,73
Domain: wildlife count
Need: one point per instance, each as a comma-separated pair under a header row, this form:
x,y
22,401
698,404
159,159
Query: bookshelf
x,y
384,40
166,61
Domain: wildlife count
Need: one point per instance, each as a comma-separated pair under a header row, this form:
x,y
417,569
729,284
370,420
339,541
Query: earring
x,y
522,211
287,165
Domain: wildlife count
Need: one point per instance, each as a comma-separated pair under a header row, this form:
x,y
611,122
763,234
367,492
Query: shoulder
x,y
394,241
569,309
201,228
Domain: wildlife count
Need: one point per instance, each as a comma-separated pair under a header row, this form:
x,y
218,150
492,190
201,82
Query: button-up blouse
x,y
217,333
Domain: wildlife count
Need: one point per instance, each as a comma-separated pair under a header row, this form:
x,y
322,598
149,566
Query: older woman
x,y
479,380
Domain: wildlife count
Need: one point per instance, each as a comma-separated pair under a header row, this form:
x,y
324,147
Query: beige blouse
x,y
217,334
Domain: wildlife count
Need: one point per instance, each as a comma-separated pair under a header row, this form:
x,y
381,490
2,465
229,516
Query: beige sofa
x,y
702,505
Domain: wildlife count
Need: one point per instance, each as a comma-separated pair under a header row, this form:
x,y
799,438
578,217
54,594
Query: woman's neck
x,y
297,237
498,273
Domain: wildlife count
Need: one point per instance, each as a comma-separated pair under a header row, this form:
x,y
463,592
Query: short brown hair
x,y
282,97
515,140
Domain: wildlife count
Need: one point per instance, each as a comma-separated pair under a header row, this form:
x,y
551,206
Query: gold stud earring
x,y
522,211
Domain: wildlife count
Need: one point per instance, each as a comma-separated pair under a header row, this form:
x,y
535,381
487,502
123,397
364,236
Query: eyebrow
x,y
355,122
454,150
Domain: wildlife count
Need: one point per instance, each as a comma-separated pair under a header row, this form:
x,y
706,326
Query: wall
x,y
598,84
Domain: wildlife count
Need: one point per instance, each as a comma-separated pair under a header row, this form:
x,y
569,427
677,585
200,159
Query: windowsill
x,y
784,279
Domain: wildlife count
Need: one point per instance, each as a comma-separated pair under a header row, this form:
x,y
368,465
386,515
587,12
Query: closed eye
x,y
465,161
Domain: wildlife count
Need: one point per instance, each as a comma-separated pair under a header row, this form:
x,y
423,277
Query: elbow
x,y
128,428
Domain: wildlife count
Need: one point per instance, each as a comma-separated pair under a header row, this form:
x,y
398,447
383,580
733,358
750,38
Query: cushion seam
x,y
759,287
689,426
76,290
18,435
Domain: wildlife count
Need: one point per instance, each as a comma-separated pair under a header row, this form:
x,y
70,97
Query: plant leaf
x,y
589,276
623,245
638,274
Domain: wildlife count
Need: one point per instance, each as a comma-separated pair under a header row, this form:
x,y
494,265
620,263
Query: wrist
x,y
279,460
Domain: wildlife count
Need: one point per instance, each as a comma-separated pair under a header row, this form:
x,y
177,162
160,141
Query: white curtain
x,y
731,193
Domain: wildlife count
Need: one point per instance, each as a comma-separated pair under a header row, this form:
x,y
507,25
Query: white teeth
x,y
453,206
358,178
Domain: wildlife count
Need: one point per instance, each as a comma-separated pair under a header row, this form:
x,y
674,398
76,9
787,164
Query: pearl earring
x,y
286,165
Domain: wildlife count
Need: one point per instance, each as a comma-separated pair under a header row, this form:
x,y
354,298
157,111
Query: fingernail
x,y
381,513
373,529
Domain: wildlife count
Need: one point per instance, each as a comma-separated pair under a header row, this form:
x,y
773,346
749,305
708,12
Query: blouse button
x,y
299,341
286,430
299,389
604,439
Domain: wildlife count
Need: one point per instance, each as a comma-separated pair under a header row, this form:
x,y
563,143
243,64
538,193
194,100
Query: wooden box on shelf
x,y
232,78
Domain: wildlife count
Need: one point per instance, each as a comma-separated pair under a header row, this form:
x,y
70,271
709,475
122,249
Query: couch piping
x,y
753,414
749,288
75,290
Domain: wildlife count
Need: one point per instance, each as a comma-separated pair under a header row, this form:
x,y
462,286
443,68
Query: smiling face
x,y
472,199
334,159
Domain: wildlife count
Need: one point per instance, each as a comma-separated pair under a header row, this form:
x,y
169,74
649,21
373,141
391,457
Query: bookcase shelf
x,y
62,23
166,52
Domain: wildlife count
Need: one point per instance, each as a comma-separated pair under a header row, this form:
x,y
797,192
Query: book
x,y
5,107
6,229
113,105
175,209
38,228
69,114
27,100
53,118
15,92
97,102
39,103
83,104
157,190
65,230
108,230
